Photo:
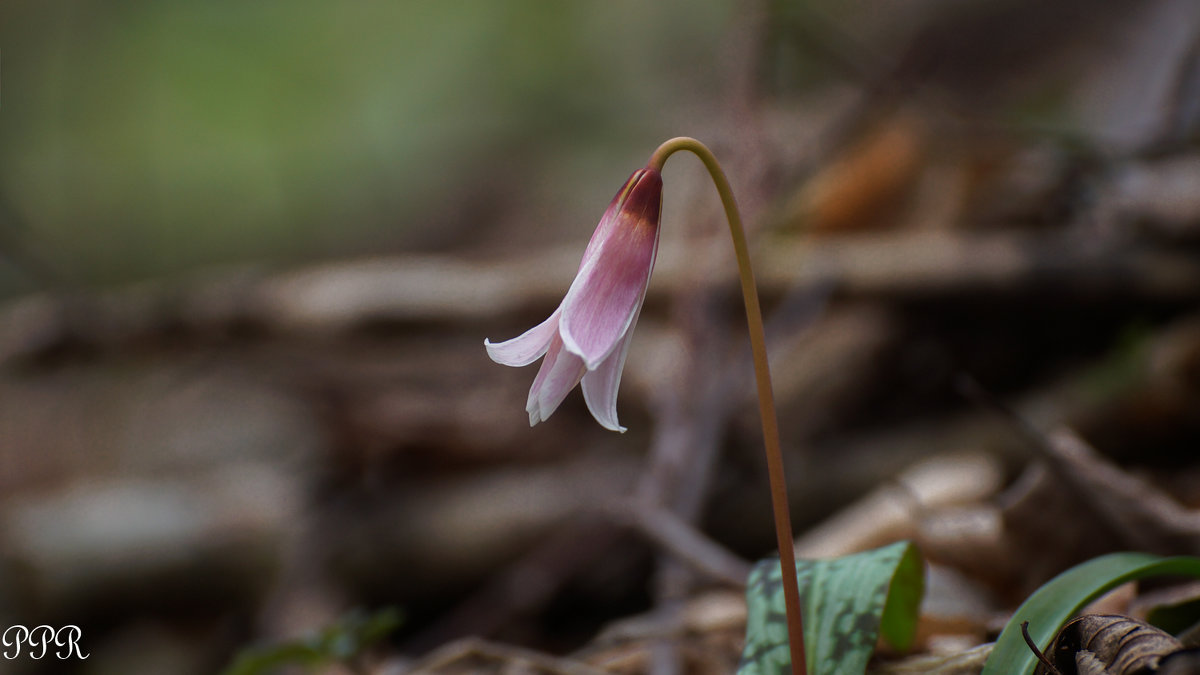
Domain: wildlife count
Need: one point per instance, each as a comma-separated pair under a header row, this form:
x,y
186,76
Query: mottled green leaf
x,y
1061,597
341,642
848,603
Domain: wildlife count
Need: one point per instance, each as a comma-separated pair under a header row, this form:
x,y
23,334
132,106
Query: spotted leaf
x,y
848,603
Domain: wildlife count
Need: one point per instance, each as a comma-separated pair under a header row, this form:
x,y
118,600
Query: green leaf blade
x,y
1063,596
898,625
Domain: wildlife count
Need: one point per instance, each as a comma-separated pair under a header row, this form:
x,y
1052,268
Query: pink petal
x,y
600,385
526,347
608,220
559,374
608,291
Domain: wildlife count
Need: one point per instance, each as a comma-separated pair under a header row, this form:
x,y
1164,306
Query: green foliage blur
x,y
345,642
144,139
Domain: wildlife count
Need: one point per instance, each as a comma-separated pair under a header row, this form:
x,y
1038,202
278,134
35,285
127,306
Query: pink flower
x,y
588,336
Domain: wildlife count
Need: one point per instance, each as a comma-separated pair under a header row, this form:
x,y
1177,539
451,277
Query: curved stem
x,y
762,375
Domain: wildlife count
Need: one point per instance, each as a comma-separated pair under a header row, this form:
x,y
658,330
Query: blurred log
x,y
168,543
1161,195
402,289
923,263
445,531
894,510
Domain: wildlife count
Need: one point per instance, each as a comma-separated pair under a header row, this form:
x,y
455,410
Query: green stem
x,y
762,375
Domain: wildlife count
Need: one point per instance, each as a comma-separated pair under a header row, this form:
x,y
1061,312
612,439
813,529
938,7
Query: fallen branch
x,y
340,296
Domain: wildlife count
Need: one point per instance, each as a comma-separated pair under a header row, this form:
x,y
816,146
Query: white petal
x,y
600,385
526,347
559,374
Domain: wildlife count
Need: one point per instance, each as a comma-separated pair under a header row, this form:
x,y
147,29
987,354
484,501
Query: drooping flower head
x,y
587,338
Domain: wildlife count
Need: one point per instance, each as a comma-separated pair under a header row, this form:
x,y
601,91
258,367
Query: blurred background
x,y
249,252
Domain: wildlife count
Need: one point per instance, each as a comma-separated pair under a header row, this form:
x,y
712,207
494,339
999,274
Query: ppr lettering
x,y
39,641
